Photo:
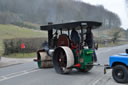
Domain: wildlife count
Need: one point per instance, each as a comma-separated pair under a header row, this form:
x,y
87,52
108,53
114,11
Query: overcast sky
x,y
116,6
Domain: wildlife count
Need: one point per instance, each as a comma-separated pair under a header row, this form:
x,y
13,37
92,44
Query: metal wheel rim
x,y
119,74
62,60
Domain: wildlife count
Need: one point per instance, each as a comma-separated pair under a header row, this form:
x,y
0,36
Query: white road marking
x,y
3,77
16,74
100,78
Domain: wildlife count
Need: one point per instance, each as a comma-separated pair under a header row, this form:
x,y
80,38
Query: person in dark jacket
x,y
90,42
89,37
75,37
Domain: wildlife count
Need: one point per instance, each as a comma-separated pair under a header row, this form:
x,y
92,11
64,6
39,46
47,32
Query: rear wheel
x,y
62,60
120,74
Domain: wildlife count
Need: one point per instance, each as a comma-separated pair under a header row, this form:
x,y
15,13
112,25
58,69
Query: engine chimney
x,y
50,35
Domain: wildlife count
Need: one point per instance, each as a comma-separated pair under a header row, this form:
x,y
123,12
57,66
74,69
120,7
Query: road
x,y
29,74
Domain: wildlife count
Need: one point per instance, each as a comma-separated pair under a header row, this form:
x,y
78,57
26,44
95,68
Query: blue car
x,y
119,65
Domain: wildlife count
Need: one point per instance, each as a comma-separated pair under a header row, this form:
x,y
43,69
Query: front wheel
x,y
120,74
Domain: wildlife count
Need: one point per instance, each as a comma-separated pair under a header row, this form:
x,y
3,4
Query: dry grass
x,y
12,31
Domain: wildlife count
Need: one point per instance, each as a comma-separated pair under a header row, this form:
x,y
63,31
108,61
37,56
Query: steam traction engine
x,y
66,47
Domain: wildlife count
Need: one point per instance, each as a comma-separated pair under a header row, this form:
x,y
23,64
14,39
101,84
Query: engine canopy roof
x,y
72,25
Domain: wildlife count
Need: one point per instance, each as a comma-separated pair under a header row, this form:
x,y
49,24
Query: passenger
x,y
75,37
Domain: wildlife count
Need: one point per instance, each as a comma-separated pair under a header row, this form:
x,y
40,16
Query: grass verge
x,y
21,55
113,44
11,31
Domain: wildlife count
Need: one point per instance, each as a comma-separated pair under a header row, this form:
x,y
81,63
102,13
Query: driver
x,y
89,41
89,38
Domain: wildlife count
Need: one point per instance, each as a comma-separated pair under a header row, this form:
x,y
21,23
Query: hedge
x,y
14,45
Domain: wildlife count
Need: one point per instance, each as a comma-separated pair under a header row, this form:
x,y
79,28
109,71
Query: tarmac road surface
x,y
29,74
